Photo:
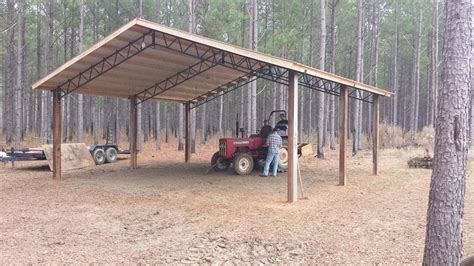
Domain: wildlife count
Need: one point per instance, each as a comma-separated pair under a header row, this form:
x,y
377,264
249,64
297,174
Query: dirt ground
x,y
171,212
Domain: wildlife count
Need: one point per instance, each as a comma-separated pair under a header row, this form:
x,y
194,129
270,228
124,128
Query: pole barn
x,y
144,61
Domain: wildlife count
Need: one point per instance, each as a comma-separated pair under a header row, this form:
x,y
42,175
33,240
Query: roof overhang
x,y
151,61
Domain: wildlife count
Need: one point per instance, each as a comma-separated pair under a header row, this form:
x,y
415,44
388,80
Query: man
x,y
274,143
283,123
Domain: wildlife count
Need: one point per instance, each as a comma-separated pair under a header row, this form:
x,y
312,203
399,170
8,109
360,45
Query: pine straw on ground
x,y
171,212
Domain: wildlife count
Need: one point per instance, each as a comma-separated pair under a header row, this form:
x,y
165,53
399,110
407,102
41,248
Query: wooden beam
x,y
343,110
133,133
375,152
187,150
56,134
292,137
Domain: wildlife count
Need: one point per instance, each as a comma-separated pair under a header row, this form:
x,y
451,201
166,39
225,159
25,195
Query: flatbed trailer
x,y
28,154
101,153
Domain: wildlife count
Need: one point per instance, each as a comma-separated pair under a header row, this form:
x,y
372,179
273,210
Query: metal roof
x,y
152,61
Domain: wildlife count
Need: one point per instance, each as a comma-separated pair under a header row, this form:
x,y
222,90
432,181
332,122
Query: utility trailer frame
x,y
27,154
37,154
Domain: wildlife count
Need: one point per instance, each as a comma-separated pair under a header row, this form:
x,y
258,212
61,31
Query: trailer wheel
x,y
218,163
99,156
243,164
111,155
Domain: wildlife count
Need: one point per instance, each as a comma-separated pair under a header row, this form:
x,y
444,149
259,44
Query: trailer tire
x,y
243,164
111,155
99,156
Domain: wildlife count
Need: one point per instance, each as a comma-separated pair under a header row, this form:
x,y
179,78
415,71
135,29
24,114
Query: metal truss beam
x,y
199,51
305,81
323,85
246,65
209,57
108,63
222,90
180,77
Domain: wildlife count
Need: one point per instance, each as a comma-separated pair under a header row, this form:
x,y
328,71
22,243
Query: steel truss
x,y
245,65
280,77
222,90
107,63
209,58
180,77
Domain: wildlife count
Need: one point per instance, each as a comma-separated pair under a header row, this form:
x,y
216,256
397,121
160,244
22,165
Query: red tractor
x,y
246,154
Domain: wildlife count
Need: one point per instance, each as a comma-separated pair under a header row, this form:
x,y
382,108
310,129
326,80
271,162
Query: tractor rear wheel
x,y
218,163
283,162
243,164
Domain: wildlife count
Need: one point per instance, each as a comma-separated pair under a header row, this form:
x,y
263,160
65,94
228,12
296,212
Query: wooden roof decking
x,y
156,62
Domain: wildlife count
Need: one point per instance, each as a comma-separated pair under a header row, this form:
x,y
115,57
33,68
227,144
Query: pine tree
x,y
443,243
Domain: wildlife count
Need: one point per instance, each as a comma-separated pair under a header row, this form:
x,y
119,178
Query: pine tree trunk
x,y
117,123
322,62
221,113
332,101
311,63
359,77
395,71
180,127
192,28
203,124
434,64
18,90
167,122
158,104
253,85
158,126
443,243
472,83
80,97
9,76
95,119
47,102
416,76
38,72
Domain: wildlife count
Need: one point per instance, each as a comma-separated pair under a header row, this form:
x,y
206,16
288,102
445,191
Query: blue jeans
x,y
271,157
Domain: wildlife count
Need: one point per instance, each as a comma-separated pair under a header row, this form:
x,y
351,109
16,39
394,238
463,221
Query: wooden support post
x,y
57,134
187,144
292,137
133,133
376,105
343,110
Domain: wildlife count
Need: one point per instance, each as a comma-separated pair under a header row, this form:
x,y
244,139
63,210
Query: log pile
x,y
421,162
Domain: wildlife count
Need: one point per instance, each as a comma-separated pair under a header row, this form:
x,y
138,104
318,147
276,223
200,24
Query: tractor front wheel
x,y
218,163
243,164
